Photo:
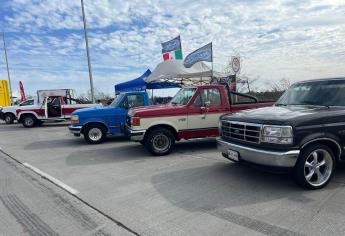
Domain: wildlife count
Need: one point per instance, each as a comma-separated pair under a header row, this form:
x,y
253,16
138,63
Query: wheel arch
x,y
165,126
23,114
92,123
329,142
10,113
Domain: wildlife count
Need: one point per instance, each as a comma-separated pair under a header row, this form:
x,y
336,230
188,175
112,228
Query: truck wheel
x,y
315,166
9,118
95,134
160,141
29,121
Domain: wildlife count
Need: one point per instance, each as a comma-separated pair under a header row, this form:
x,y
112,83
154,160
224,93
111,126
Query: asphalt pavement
x,y
193,191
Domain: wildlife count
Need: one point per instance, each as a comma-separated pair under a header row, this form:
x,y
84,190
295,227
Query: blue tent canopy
x,y
139,84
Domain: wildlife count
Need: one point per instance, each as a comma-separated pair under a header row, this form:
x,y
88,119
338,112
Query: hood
x,y
9,108
158,110
94,110
287,115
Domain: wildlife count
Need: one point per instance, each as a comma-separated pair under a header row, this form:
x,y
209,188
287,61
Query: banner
x,y
202,54
172,49
22,92
171,45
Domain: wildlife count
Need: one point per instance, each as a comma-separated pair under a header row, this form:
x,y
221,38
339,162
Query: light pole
x,y
88,52
8,69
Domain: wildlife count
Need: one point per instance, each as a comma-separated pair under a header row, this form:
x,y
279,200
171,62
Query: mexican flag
x,y
173,55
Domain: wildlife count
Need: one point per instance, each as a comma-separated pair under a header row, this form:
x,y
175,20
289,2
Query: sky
x,y
291,39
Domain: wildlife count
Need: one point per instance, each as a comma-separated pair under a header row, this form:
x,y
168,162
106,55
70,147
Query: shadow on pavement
x,y
70,142
222,185
109,155
131,151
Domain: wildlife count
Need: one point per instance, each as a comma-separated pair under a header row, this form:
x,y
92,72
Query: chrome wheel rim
x,y
318,167
161,142
29,121
95,134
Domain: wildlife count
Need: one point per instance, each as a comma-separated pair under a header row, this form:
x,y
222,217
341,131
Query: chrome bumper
x,y
136,135
259,156
76,130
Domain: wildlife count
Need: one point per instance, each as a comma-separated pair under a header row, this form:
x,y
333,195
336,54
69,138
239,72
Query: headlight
x,y
74,119
277,134
135,121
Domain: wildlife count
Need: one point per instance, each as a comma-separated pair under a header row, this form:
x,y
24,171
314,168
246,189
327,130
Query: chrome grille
x,y
248,132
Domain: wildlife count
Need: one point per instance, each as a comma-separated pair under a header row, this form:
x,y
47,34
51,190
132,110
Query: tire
x,y
160,141
9,118
29,121
95,133
315,166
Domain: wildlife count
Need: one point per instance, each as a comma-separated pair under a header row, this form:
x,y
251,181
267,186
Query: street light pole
x,y
88,53
8,69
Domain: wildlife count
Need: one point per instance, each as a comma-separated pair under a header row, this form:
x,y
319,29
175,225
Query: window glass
x,y
318,93
135,100
183,96
241,99
211,95
27,103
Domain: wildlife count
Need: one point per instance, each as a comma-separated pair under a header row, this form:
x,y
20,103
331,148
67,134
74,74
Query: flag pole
x,y
88,53
212,58
8,69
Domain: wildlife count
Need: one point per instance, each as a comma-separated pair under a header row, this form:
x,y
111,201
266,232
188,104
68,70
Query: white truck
x,y
55,105
8,114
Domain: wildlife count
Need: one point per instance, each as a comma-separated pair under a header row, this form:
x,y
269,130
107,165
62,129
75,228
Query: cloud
x,y
276,39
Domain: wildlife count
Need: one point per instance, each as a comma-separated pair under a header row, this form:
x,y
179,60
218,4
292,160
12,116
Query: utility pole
x,y
8,69
88,53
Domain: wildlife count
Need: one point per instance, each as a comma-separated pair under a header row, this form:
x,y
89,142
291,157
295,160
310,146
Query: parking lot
x,y
193,191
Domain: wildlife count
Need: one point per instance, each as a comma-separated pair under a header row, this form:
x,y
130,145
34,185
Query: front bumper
x,y
135,135
2,116
259,156
76,130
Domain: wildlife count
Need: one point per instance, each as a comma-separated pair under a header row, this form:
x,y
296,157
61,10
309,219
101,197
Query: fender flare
x,y
317,137
22,113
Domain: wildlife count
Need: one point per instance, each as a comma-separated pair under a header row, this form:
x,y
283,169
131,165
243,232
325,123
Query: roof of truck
x,y
323,79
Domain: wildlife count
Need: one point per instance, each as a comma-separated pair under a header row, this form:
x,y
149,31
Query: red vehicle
x,y
193,113
53,105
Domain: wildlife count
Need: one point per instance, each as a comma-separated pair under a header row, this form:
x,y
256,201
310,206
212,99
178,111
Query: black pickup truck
x,y
304,132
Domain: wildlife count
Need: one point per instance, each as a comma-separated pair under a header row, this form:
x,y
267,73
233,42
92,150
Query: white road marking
x,y
52,179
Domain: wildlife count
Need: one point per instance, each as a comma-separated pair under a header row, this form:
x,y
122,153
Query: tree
x,y
246,82
281,86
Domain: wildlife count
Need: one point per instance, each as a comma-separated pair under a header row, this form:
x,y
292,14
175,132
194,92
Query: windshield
x,y
183,96
319,93
117,101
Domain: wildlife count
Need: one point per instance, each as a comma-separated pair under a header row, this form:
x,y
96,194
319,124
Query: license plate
x,y
233,155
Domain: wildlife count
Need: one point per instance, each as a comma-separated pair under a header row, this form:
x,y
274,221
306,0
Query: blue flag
x,y
202,54
171,45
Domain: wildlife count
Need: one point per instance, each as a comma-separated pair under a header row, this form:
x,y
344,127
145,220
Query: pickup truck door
x,y
117,117
204,113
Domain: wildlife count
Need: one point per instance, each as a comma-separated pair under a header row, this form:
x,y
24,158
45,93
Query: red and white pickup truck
x,y
55,105
193,113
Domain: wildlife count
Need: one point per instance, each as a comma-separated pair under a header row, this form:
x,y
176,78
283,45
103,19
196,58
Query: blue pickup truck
x,y
97,123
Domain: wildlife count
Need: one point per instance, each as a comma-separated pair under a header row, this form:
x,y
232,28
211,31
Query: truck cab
x,y
53,105
96,123
8,114
193,113
304,132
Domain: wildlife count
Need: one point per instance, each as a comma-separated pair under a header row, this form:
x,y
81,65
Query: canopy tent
x,y
139,84
175,71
